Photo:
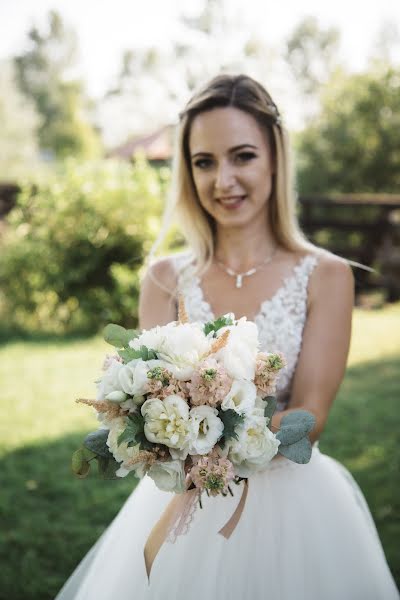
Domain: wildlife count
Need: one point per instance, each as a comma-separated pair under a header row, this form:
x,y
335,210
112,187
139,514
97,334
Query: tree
x,y
20,121
44,76
311,54
353,144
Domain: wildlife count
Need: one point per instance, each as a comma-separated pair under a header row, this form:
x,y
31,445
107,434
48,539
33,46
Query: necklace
x,y
239,276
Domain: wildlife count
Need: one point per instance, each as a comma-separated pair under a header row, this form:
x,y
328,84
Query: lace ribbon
x,y
176,518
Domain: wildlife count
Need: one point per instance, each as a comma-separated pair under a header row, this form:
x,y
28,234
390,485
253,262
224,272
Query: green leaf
x,y
144,353
299,452
118,336
223,321
295,426
230,419
270,407
79,463
107,467
134,432
96,442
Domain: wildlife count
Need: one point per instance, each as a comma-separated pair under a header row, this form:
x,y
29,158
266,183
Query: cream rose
x,y
208,429
168,476
255,447
238,356
241,397
167,422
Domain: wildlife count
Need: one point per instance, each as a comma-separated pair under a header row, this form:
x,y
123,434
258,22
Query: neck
x,y
242,248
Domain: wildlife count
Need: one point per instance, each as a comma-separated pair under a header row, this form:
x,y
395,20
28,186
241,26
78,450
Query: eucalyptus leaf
x,y
143,353
107,467
80,465
116,335
96,442
270,407
299,452
295,426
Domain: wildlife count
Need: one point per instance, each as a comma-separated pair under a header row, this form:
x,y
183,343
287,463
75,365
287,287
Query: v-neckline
x,y
286,280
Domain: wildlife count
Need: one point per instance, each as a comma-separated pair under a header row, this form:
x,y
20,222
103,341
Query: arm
x,y
326,340
157,304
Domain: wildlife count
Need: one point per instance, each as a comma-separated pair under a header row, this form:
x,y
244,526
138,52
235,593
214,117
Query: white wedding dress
x,y
306,532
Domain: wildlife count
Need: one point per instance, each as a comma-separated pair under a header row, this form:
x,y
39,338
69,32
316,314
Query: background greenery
x,y
49,519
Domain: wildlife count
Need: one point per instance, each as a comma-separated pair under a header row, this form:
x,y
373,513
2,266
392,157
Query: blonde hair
x,y
197,226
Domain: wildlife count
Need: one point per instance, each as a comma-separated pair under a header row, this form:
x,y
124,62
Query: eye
x,y
245,156
203,163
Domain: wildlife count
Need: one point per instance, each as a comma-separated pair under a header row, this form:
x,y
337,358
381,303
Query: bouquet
x,y
190,399
190,405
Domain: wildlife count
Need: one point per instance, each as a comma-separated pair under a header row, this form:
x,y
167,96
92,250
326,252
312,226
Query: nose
x,y
225,176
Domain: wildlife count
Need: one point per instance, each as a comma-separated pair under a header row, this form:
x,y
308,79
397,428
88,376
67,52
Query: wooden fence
x,y
362,228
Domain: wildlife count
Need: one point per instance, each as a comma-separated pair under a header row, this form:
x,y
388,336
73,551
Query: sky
x,y
106,27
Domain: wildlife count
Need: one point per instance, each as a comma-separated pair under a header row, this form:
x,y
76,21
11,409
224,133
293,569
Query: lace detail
x,y
182,525
280,320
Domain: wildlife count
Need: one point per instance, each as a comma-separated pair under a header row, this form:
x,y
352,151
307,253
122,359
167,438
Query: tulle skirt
x,y
306,533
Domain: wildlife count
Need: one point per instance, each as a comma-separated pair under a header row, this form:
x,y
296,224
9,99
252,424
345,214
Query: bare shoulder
x,y
157,294
332,278
163,273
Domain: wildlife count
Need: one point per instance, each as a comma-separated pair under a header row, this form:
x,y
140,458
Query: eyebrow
x,y
233,149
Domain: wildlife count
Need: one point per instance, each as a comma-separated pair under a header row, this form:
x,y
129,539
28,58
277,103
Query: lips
x,y
231,201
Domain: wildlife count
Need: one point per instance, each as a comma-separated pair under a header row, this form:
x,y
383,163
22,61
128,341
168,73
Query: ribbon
x,y
175,514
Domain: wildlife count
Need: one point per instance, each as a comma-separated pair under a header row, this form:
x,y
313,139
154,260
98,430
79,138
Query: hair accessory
x,y
239,276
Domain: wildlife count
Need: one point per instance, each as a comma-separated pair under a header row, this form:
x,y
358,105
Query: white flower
x,y
238,356
122,452
255,447
167,422
182,347
116,396
208,428
241,397
168,476
109,381
133,377
150,338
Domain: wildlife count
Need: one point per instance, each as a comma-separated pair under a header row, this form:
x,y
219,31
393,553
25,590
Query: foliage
x,y
44,77
19,123
71,255
352,145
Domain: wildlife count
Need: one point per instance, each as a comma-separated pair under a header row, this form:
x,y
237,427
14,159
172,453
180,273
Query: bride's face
x,y
232,165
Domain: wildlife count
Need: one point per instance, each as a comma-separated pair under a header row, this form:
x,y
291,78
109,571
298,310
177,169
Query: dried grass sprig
x,y
182,314
104,406
218,344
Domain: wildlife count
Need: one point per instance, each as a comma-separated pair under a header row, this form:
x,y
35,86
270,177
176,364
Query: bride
x,y
306,532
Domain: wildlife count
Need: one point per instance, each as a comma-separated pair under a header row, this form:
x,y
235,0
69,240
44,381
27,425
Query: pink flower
x,y
162,384
209,384
213,474
267,371
109,359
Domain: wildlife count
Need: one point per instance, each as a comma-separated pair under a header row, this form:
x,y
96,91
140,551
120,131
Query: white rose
x,y
241,397
168,476
133,377
238,356
109,381
122,452
167,422
255,447
208,428
150,338
182,348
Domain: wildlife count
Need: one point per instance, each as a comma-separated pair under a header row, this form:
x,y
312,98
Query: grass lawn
x,y
49,519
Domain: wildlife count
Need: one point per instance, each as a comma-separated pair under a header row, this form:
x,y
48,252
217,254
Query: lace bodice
x,y
280,320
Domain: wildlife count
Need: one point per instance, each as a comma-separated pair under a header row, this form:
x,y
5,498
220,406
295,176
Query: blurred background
x,y
89,99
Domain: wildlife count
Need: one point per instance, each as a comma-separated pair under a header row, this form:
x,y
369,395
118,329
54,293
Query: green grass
x,y
49,519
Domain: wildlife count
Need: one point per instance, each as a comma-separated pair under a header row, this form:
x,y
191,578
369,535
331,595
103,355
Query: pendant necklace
x,y
239,276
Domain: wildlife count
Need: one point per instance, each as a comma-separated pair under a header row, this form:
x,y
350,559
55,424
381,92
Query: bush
x,y
73,247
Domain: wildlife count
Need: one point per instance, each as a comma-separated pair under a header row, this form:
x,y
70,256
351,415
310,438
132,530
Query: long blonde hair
x,y
246,94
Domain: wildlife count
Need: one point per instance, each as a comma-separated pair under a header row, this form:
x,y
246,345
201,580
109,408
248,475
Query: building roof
x,y
156,146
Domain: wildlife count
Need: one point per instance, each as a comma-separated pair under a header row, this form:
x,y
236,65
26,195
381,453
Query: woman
x,y
306,531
